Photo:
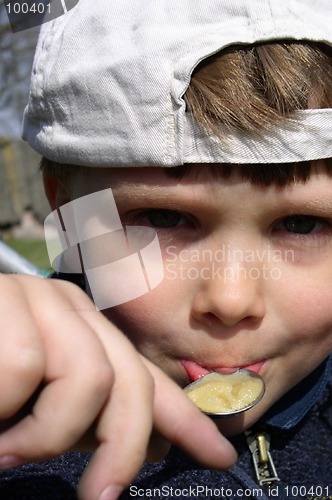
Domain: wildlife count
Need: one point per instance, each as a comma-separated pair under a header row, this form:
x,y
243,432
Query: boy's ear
x,y
56,191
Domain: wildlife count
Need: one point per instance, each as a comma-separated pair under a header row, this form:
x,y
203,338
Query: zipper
x,y
259,445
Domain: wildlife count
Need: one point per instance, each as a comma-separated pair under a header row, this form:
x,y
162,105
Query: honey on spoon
x,y
224,395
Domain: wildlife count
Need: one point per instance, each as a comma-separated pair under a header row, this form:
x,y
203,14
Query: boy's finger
x,y
124,428
22,360
21,365
183,424
74,393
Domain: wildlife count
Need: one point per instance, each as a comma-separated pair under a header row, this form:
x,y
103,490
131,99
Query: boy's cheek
x,y
136,319
304,301
313,335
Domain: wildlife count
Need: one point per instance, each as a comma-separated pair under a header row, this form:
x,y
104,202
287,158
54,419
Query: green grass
x,y
33,250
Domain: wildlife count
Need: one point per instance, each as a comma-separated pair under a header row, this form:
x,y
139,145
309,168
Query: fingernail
x,y
112,492
8,461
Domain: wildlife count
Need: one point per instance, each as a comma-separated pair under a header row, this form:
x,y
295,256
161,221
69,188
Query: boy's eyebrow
x,y
156,195
153,195
318,205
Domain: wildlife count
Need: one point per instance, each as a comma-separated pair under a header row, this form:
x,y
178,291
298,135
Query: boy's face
x,y
248,276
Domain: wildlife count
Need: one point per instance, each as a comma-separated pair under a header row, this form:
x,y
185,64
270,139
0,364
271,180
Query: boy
x,y
245,241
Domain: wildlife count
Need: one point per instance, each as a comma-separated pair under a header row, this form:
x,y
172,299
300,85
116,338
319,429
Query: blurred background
x,y
23,205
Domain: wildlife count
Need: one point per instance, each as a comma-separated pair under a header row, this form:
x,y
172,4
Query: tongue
x,y
194,370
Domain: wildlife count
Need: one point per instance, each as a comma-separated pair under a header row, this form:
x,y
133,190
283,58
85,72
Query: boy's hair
x,y
248,88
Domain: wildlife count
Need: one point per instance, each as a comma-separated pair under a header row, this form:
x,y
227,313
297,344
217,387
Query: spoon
x,y
223,395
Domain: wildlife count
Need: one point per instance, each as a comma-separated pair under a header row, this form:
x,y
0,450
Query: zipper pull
x,y
259,445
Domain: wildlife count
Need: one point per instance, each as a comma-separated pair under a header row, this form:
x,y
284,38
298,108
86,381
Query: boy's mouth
x,y
196,371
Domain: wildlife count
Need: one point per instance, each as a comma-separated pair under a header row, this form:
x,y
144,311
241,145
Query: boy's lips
x,y
196,371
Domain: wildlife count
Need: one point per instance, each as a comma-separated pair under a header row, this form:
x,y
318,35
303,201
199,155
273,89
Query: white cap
x,y
109,76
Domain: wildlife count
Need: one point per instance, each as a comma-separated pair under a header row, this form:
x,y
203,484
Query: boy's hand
x,y
90,374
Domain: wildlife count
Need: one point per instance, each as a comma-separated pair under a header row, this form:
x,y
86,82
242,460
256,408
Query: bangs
x,y
279,175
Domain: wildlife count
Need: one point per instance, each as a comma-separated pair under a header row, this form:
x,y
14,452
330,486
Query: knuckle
x,y
73,291
28,363
12,290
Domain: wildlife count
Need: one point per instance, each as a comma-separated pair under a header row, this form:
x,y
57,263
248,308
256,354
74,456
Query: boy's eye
x,y
163,218
305,225
300,224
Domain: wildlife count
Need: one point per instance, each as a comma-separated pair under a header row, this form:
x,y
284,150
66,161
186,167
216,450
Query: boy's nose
x,y
229,299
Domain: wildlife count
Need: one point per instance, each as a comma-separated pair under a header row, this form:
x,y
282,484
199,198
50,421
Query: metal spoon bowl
x,y
222,395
